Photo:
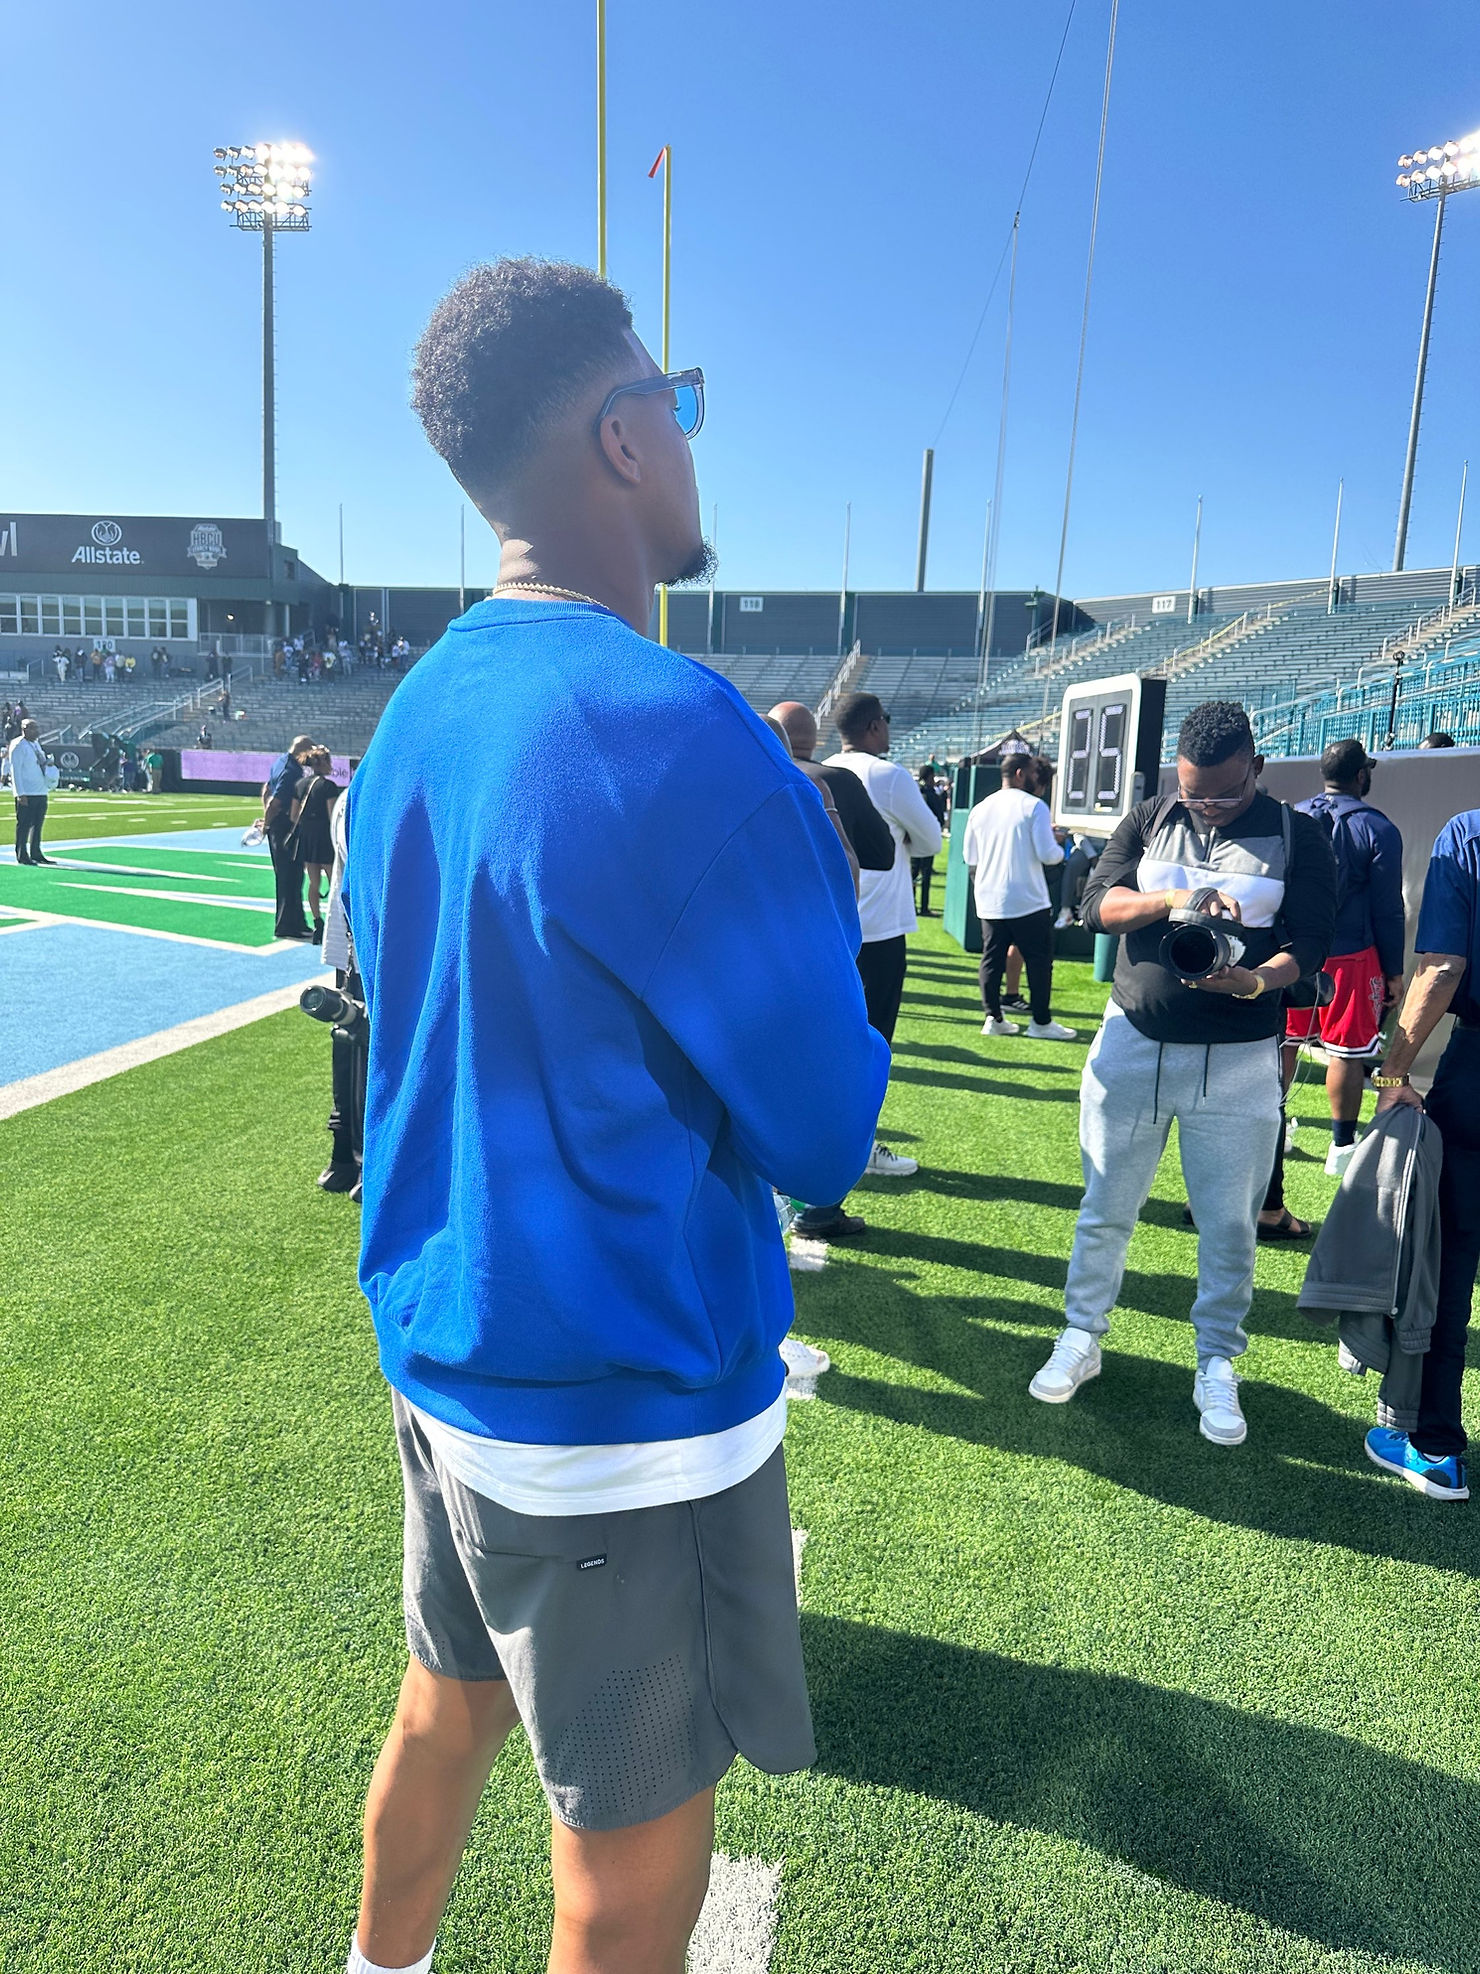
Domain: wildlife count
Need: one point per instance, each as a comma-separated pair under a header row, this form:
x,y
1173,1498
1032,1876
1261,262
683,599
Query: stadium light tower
x,y
265,188
1431,174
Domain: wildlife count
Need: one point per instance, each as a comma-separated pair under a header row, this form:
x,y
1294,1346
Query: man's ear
x,y
618,448
1258,764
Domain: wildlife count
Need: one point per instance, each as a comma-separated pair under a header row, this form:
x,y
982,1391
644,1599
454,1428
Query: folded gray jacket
x,y
1374,1270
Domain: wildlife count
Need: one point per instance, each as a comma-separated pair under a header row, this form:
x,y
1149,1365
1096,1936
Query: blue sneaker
x,y
1395,1453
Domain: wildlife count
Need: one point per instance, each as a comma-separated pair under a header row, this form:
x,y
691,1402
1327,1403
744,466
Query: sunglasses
x,y
1216,801
687,387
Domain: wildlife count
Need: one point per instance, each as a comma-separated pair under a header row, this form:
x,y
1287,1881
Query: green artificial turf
x,y
78,813
1091,1694
153,886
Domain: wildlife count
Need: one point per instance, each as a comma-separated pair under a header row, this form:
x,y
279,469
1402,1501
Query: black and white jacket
x,y
1160,847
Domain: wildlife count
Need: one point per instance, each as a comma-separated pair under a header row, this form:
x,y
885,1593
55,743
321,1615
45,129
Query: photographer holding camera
x,y
1223,899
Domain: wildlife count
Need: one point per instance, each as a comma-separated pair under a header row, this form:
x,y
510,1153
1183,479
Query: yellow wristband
x,y
1263,983
1171,901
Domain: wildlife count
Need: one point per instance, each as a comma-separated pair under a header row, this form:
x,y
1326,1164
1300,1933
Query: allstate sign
x,y
183,545
104,546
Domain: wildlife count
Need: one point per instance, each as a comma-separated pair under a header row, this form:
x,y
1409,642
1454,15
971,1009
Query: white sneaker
x,y
1063,919
1073,1361
1291,1127
885,1164
802,1360
1050,1031
1338,1158
1001,1027
1215,1394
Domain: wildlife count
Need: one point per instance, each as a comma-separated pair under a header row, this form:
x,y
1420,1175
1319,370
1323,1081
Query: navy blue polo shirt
x,y
283,779
1448,921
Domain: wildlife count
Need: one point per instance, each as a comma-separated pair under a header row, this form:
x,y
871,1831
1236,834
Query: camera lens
x,y
1194,951
323,1003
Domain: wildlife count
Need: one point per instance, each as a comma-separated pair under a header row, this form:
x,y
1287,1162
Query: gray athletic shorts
x,y
644,1649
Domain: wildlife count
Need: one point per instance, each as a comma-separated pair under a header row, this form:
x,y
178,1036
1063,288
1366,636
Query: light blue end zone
x,y
69,991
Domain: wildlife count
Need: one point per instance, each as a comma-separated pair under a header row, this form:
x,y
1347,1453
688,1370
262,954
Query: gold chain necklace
x,y
543,589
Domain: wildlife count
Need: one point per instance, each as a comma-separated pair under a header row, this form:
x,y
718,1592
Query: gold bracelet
x,y
1263,983
1388,1082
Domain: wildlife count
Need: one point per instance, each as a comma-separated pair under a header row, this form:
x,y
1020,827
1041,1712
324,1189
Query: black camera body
x,y
349,1024
1199,942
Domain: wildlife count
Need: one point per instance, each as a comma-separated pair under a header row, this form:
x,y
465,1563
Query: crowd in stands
x,y
103,664
320,658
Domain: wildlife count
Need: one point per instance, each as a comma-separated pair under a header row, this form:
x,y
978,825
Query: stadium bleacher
x,y
1295,663
342,714
1274,657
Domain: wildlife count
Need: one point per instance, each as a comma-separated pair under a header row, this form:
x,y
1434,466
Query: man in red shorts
x,y
1366,959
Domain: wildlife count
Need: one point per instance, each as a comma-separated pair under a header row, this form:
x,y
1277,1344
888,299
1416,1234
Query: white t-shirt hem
x,y
605,1480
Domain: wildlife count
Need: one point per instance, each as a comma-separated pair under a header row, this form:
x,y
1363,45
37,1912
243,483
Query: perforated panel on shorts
x,y
630,1747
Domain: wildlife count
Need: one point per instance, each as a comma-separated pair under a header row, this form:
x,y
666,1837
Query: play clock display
x,y
1109,751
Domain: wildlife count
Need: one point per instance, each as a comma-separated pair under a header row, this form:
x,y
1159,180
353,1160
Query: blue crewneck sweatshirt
x,y
608,940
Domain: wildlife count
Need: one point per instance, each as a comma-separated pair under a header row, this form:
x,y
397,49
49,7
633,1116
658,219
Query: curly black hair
x,y
1214,732
509,348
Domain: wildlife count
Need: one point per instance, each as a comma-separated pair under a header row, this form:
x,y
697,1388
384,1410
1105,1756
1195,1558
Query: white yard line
x,y
806,1257
153,932
175,897
76,860
736,1933
798,1544
33,1090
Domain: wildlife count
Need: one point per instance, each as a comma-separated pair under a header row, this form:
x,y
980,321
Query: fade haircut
x,y
1343,761
857,712
507,351
1214,732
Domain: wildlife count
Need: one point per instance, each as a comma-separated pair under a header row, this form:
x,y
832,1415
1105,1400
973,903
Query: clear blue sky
x,y
844,182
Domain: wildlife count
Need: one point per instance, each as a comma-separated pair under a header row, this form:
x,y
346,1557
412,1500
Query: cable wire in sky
x,y
1017,214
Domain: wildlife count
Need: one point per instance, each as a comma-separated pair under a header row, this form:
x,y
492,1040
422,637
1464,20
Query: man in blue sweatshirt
x,y
609,963
1366,957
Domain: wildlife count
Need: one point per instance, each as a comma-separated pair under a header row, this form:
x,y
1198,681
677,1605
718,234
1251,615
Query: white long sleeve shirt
x,y
886,898
27,767
1009,841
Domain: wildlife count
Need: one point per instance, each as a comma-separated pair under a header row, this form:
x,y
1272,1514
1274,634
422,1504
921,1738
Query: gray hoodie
x,y
1374,1270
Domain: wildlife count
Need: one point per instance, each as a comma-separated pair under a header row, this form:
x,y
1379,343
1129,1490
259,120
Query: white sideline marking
x,y
33,1090
798,1543
153,932
76,861
175,897
806,1257
736,1933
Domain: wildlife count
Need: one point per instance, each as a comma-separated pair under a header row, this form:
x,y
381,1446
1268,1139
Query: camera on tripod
x,y
338,1011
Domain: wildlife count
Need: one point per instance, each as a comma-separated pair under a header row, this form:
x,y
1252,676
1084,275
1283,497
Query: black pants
x,y
923,869
881,964
1454,1105
30,814
288,873
1033,937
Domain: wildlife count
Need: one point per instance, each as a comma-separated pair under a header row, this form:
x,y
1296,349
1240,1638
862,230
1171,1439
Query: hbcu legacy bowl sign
x,y
61,545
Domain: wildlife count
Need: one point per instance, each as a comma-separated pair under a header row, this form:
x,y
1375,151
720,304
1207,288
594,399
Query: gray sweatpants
x,y
1226,1100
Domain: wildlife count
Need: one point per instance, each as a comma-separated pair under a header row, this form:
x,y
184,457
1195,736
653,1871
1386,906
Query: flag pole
x,y
665,160
601,138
